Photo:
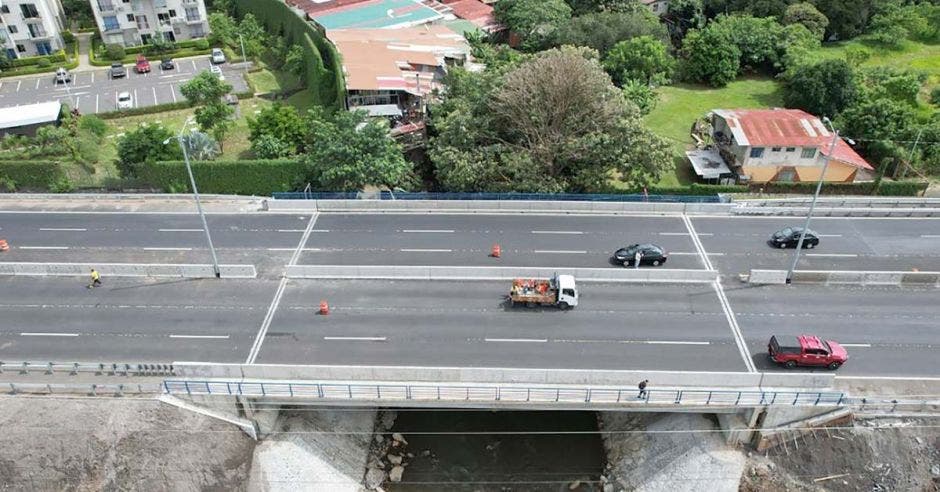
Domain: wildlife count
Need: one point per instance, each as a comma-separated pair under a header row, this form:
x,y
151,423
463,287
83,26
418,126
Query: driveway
x,y
95,92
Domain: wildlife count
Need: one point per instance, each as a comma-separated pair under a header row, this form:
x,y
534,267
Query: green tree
x,y
644,59
145,144
224,29
205,92
294,60
270,147
847,18
532,20
641,95
253,34
935,96
93,124
348,151
710,56
823,89
78,12
876,124
683,15
552,123
758,39
602,30
927,157
892,83
281,123
581,7
201,147
806,14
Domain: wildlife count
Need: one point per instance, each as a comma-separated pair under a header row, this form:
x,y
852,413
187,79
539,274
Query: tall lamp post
x,y
192,181
812,205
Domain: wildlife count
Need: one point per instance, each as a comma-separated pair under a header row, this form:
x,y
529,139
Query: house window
x,y
786,175
197,31
4,9
110,23
192,13
44,48
142,22
21,48
29,10
172,13
130,18
12,29
757,152
791,149
775,149
808,154
36,31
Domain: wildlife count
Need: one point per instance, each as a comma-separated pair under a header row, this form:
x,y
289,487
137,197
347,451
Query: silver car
x,y
217,56
125,100
62,76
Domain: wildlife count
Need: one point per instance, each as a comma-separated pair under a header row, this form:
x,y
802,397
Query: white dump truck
x,y
559,290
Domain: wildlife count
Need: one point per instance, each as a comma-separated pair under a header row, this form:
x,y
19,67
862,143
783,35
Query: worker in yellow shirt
x,y
95,279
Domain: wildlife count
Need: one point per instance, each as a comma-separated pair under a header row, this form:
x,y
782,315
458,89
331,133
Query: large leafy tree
x,y
878,124
205,92
146,144
533,20
643,59
280,130
806,14
683,15
552,123
347,151
847,18
823,89
602,30
711,56
581,7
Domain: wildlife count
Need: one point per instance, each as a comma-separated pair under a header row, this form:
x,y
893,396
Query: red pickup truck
x,y
806,350
142,65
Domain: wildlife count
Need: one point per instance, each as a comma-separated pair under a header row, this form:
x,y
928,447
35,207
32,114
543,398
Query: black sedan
x,y
789,237
650,254
167,64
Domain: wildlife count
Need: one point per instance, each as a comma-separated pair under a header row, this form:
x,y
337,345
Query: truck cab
x,y
567,290
806,350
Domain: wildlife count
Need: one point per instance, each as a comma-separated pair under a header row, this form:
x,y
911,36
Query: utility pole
x,y
242,42
812,206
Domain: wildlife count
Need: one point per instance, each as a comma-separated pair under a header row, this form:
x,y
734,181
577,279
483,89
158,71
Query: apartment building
x,y
136,22
31,27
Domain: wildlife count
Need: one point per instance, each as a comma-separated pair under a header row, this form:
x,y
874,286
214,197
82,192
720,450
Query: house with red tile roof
x,y
763,145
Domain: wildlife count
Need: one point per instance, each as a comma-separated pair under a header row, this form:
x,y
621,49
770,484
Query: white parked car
x,y
217,72
125,100
218,56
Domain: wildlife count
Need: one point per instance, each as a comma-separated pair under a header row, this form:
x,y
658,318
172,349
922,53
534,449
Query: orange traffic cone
x,y
324,308
496,251
3,245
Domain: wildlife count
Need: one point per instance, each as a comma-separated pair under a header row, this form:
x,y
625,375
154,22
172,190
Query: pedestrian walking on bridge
x,y
642,387
95,279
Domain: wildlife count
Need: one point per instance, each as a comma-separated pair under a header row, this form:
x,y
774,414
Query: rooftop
x,y
29,114
354,14
786,128
475,11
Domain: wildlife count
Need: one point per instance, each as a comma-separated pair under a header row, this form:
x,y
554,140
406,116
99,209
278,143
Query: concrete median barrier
x,y
126,270
499,273
801,211
922,279
495,207
767,277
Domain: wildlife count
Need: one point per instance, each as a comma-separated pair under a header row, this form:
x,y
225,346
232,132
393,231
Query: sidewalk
x,y
84,47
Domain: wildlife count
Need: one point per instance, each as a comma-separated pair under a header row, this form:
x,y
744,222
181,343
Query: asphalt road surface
x,y
95,92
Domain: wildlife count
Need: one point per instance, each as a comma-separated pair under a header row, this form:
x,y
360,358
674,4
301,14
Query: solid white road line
x,y
180,230
515,340
735,328
673,233
860,345
932,236
361,339
439,231
33,334
168,249
829,235
419,250
220,337
691,253
290,230
832,255
558,232
670,342
890,378
63,229
561,252
42,247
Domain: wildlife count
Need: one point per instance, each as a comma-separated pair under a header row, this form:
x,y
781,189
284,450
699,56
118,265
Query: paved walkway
x,y
84,47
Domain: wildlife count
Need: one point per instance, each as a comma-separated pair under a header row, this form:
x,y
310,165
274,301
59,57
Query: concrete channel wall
x,y
127,270
500,273
839,277
495,206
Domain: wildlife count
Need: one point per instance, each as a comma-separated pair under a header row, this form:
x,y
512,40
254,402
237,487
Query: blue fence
x,y
568,197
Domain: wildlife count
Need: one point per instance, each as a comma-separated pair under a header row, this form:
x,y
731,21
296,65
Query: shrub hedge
x,y
33,175
323,74
57,57
247,177
159,108
882,188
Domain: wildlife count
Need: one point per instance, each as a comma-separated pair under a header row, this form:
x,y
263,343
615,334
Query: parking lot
x,y
95,92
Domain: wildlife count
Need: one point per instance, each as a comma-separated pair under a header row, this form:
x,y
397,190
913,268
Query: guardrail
x,y
127,270
100,369
426,393
801,211
618,274
494,207
857,202
846,277
556,197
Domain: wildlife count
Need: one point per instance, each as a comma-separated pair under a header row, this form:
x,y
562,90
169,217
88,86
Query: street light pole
x,y
242,42
202,215
812,206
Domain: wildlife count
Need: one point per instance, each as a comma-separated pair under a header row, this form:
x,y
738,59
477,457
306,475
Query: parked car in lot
x,y
650,254
806,350
217,72
167,64
217,56
62,76
117,70
125,100
790,236
142,65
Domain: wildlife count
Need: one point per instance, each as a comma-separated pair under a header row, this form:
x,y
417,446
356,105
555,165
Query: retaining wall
x,y
495,206
127,270
499,273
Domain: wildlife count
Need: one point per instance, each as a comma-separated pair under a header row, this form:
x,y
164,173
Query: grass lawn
x,y
680,104
268,81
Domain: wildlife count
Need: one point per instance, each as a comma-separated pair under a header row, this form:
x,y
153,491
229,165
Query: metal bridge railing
x,y
74,368
567,197
506,394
